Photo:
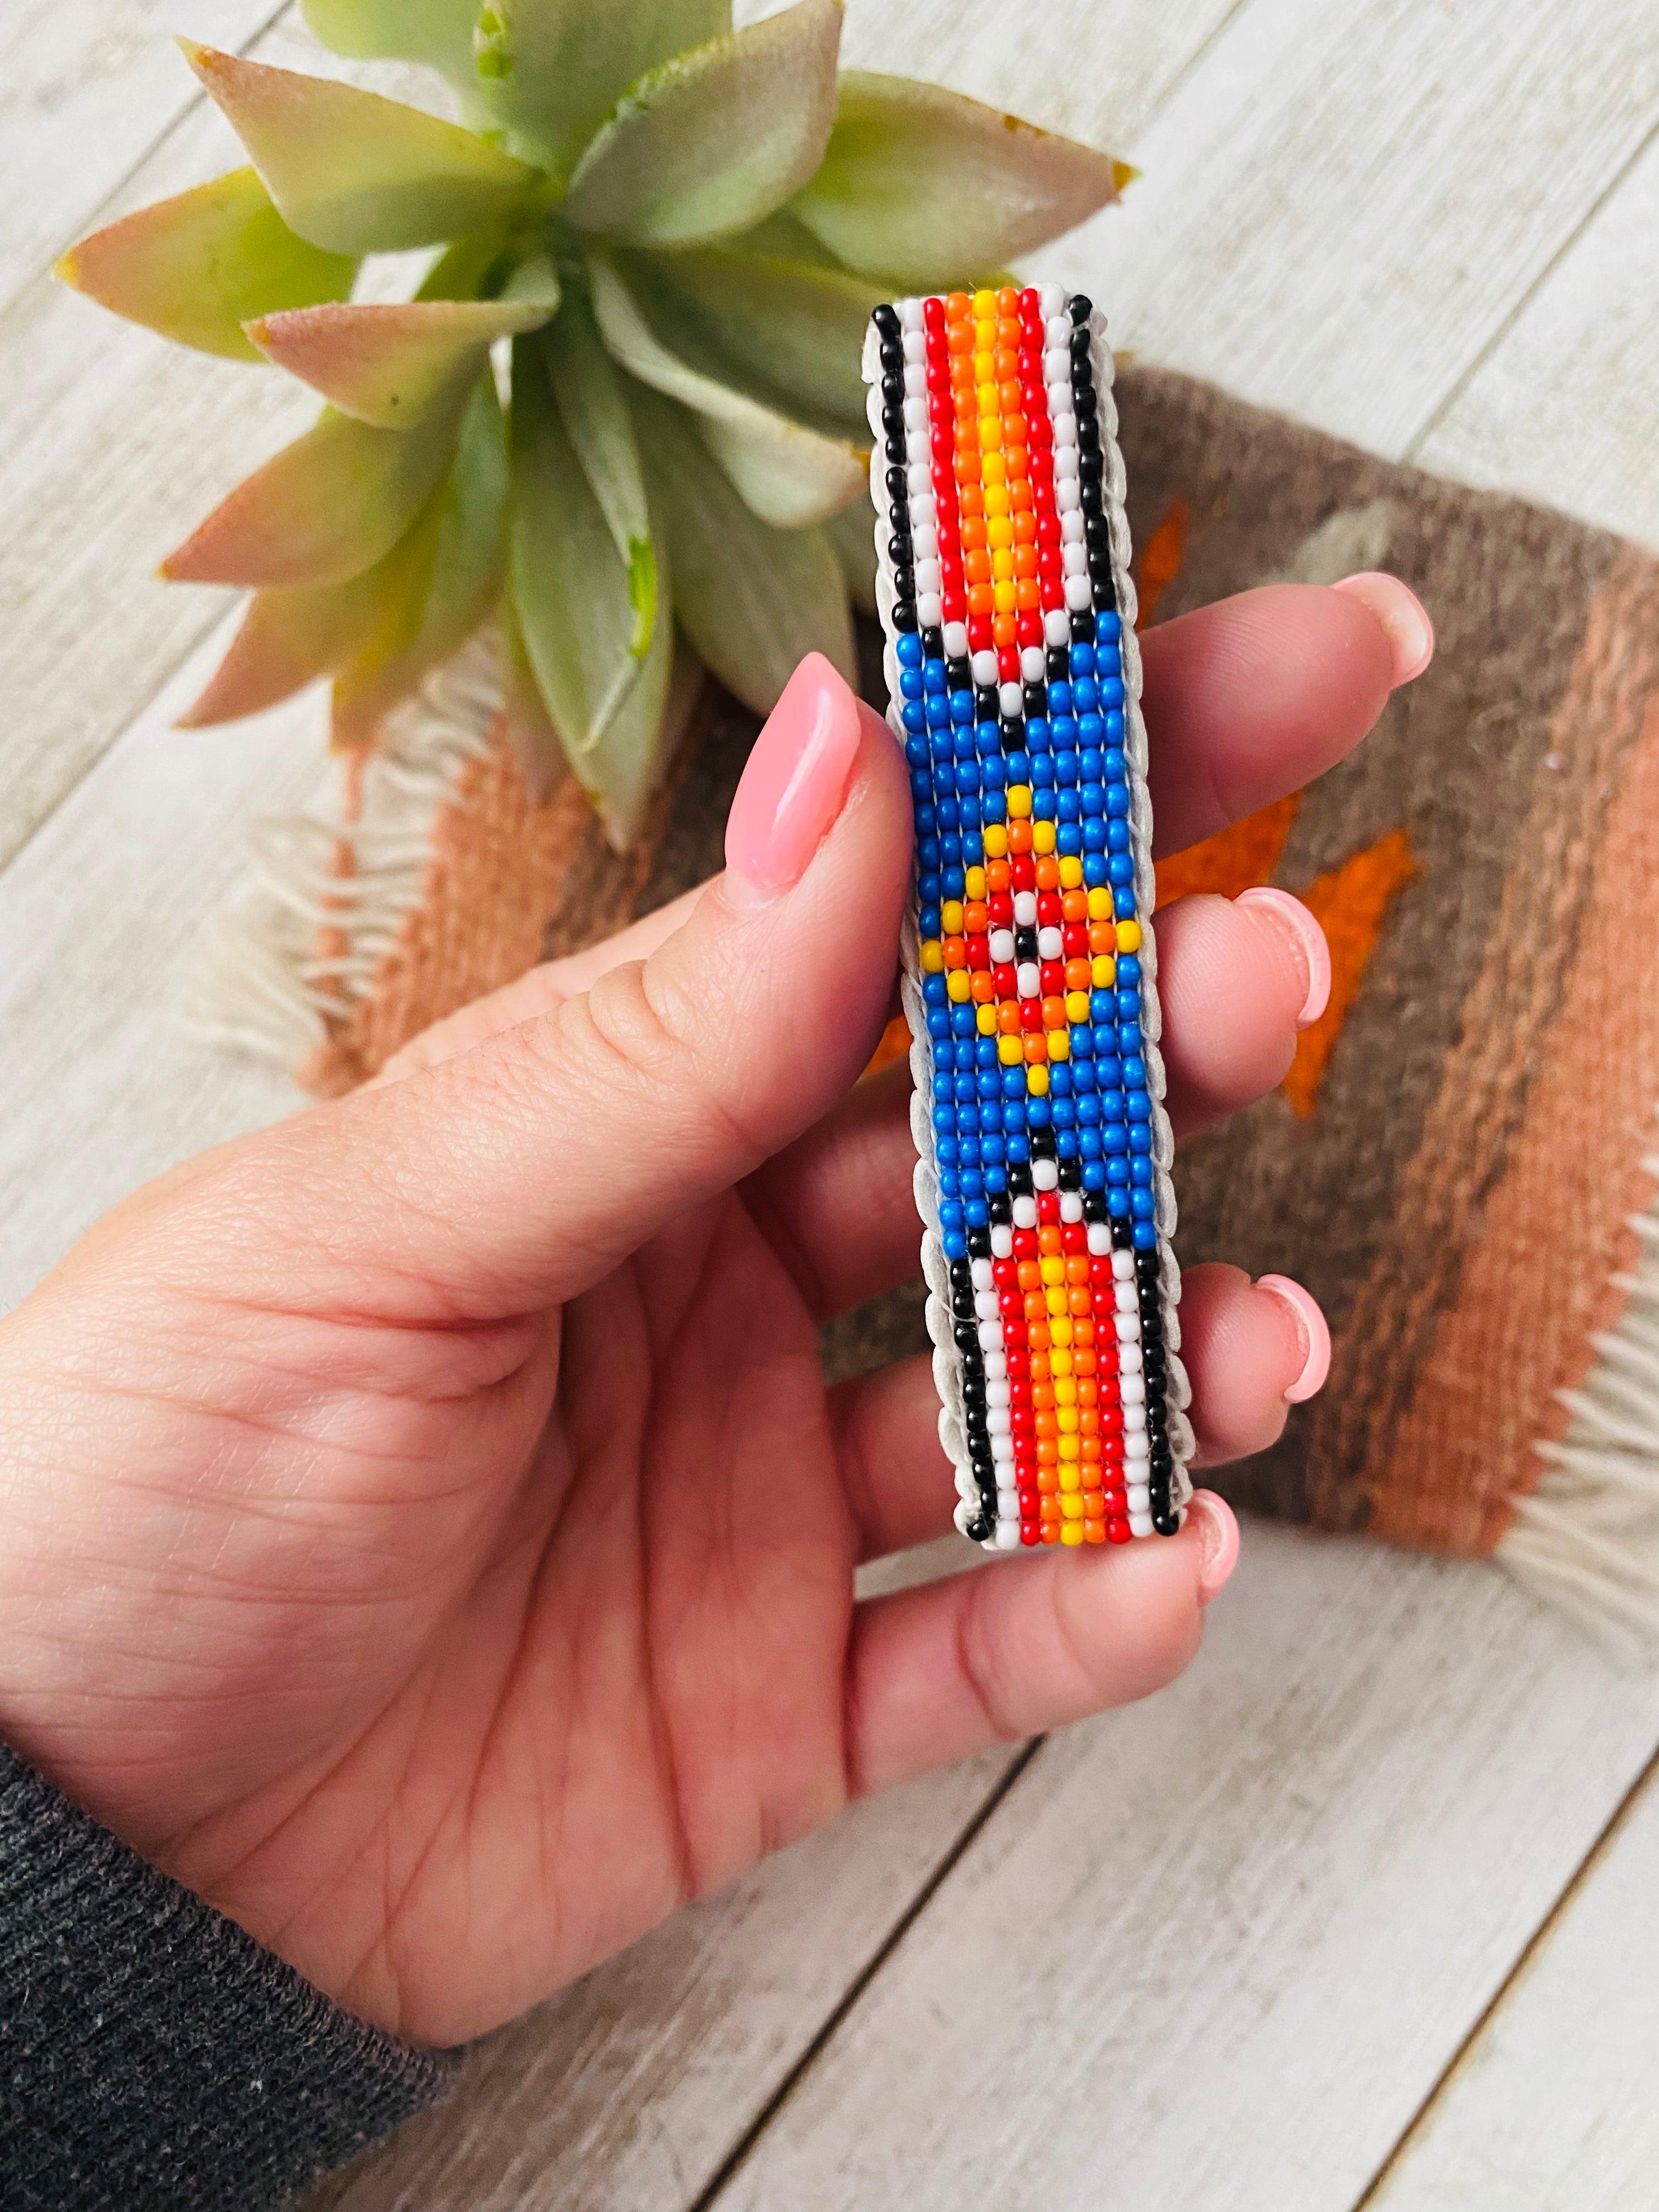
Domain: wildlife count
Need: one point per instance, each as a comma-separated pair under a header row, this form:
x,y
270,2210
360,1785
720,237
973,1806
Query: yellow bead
x,y
1071,1532
985,365
932,958
1060,1333
985,306
1011,1051
986,1019
1003,596
996,842
999,534
990,433
1066,1420
975,881
1059,1044
1002,566
1037,1079
997,499
1055,1297
1019,801
1043,832
1071,873
1051,1269
1068,1447
958,987
1065,1391
1104,969
994,469
1077,1006
988,403
1128,934
1060,1364
1100,904
949,915
1071,1487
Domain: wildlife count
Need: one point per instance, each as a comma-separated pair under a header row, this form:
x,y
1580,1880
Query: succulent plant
x,y
662,240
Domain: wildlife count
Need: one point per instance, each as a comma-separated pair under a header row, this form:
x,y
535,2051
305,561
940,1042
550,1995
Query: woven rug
x,y
1457,1163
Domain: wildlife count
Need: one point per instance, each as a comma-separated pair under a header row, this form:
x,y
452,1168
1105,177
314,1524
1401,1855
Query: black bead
x,y
1088,439
962,1275
1091,468
985,702
1013,735
892,420
1166,1525
973,1388
966,1336
1025,944
904,580
885,318
1071,1175
1147,1266
894,449
899,546
892,391
1035,699
1082,306
958,676
1060,664
978,1528
1121,1241
1083,633
1100,576
1019,1180
904,615
1098,532
1079,340
1043,1146
1162,1460
932,643
979,1243
898,489
892,361
973,1422
1000,1207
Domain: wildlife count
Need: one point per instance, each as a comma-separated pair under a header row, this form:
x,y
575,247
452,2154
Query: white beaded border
x,y
947,1358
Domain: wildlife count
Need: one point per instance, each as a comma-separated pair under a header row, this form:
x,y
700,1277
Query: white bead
x,y
1025,909
1045,1174
930,610
1056,626
1027,982
1123,1267
984,1305
996,1362
1071,527
1127,1326
915,380
910,315
1070,1205
1025,1213
1066,468
956,641
1012,699
925,540
1057,330
930,577
1002,1245
915,413
990,1336
997,1420
1077,593
916,445
984,668
916,352
1134,1420
1131,1388
1051,301
1066,494
918,483
1141,1524
1074,560
1002,1451
1002,946
1129,1356
1008,1506
1007,1535
1032,665
997,1391
1057,367
1100,1238
1139,1496
1050,943
922,510
1065,430
1123,1290
1137,1448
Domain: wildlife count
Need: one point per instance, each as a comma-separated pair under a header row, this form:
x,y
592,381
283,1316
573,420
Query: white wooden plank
x,y
1566,405
1341,203
88,89
1553,2104
1216,1950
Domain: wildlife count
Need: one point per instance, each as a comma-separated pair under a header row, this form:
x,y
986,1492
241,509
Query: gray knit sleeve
x,y
153,2057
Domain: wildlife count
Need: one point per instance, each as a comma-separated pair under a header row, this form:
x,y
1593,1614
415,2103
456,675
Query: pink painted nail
x,y
1218,1536
793,784
1312,1330
1404,618
1309,939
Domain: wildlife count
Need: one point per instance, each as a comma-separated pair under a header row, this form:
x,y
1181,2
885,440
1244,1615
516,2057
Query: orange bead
x,y
997,876
1039,1367
1036,1305
1020,833
958,305
1008,401
1088,1392
1077,1304
1077,1268
980,600
971,499
1048,1483
1028,595
1089,1444
1025,561
1078,975
1042,1397
1088,1422
1026,529
1047,1448
1094,1532
1102,936
1004,630
1037,1336
955,952
1004,367
982,987
977,566
1082,1337
1048,873
1083,1362
959,339
1074,906
973,533
1013,422
1029,1275
1008,299
1054,1009
1036,1049
1048,1509
1008,1018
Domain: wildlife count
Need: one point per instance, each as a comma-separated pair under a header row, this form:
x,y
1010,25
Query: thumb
x,y
525,1169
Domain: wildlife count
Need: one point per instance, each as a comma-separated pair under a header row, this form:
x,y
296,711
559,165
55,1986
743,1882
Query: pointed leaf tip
x,y
392,365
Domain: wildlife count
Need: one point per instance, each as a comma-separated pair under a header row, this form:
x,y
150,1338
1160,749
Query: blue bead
x,y
1116,763
1013,1117
1121,868
937,711
1146,1237
908,649
1094,798
1106,1060
1117,1176
1108,626
1063,730
978,1213
950,848
1140,1106
949,818
1038,1114
1089,1145
1085,1075
1111,693
1036,734
921,786
946,1058
945,1146
1069,838
1140,1137
938,1021
1117,1205
962,1021
915,752
1082,658
1103,1007
914,715
985,1053
1086,697
945,1119
1117,837
1123,901
962,747
1128,968
1094,839
1113,1105
1140,1173
1114,727
1019,766
926,822
1066,1144
932,675
1044,799
996,1179
909,683
1013,1082
1094,1174
1083,1049
1090,765
1060,1080
984,1079
1128,1004
973,848
993,806
956,1244
949,1186
1087,1109
927,879
1066,768
970,811
1116,797
962,1086
986,744
992,1150
992,775
962,706
1059,698
1094,869
1019,1151
1062,1112
933,991
1142,1205
1068,806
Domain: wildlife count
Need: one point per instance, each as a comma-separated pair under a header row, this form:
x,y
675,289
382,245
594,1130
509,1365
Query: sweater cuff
x,y
152,2054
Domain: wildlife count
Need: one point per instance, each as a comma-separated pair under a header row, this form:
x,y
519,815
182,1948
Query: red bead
x,y
1008,663
1029,1533
1028,629
932,312
1048,1202
1117,1530
1030,1016
1020,1362
1010,1302
1001,907
1006,981
1047,909
1021,871
1019,1390
1051,976
1026,1244
1074,1237
1100,1274
942,440
979,633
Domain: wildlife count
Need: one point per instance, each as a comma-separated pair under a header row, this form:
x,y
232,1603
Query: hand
x,y
424,1528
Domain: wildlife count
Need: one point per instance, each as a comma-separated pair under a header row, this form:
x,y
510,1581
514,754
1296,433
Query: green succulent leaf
x,y
323,509
195,267
356,173
918,182
436,31
570,588
790,475
853,534
800,326
527,724
717,138
286,640
594,407
753,600
441,582
393,365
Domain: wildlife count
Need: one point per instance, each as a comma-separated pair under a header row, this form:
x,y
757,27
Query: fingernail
x,y
1217,1537
1310,1326
793,784
1404,618
1310,943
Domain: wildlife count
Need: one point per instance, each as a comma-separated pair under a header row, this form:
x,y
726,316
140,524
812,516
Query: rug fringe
x,y
1587,1539
304,938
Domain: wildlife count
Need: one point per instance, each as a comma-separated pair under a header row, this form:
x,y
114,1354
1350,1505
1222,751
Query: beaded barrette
x,y
1029,971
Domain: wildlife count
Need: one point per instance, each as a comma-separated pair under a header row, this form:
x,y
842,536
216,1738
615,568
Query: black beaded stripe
x,y
964,1320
